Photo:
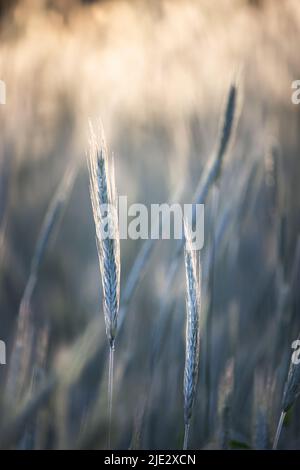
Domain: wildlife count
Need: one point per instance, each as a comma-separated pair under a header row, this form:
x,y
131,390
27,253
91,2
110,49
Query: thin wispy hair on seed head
x,y
104,204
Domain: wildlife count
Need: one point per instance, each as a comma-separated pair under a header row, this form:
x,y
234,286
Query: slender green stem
x,y
279,427
110,390
186,436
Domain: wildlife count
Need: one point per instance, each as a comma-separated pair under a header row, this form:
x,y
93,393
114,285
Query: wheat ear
x,y
192,271
105,212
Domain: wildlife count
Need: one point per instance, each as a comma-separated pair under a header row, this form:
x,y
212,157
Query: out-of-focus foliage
x,y
157,74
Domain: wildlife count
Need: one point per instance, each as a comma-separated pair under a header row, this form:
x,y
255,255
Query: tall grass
x,y
207,180
105,212
20,355
89,345
192,274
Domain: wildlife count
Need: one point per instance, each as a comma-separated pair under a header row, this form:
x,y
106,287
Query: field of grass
x,y
145,344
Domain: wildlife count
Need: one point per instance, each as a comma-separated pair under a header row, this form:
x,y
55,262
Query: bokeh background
x,y
157,74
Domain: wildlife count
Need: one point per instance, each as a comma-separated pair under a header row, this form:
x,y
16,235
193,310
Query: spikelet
x,y
192,331
105,210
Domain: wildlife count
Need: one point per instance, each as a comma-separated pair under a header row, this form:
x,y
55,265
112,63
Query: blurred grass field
x,y
157,74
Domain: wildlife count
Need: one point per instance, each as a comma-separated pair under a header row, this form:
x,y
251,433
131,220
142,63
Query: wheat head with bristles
x,y
105,212
104,204
192,273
